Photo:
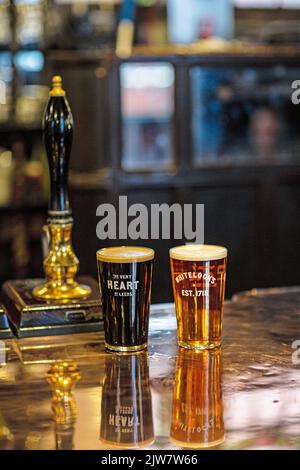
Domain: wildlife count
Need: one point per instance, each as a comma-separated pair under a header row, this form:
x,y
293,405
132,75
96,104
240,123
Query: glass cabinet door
x,y
147,112
244,115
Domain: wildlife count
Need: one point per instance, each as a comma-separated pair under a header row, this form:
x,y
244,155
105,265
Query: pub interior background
x,y
195,107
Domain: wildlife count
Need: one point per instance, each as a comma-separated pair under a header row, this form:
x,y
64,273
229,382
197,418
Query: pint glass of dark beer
x,y
125,279
198,279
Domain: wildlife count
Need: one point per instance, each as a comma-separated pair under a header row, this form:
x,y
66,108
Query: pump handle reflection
x,y
62,377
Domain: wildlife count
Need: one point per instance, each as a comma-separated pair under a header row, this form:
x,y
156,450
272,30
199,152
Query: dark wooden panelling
x,y
285,256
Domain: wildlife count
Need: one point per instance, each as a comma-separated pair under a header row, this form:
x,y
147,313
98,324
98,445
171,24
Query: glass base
x,y
126,349
200,346
195,445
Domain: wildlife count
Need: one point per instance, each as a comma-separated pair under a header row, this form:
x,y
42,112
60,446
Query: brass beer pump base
x,y
31,317
61,266
50,291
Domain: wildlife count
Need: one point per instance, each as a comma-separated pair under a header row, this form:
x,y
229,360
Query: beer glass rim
x,y
198,252
125,254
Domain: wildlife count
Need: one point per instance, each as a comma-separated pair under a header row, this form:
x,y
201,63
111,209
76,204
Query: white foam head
x,y
197,252
125,254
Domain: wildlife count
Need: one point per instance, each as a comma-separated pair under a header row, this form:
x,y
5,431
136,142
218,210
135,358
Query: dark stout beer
x,y
126,407
197,412
125,278
198,279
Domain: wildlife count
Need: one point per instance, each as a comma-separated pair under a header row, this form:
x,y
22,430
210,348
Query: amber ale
x,y
197,411
198,279
126,407
125,278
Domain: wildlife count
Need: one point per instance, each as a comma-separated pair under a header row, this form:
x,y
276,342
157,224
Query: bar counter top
x,y
66,392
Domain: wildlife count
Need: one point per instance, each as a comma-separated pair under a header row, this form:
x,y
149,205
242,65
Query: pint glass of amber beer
x,y
125,278
198,279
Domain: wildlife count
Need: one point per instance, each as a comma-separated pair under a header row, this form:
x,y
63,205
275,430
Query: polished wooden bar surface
x,y
256,392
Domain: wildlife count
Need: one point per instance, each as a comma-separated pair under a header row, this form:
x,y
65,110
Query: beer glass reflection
x,y
198,279
197,412
126,406
125,278
62,378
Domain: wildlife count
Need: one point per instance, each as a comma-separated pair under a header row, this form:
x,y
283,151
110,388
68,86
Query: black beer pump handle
x,y
58,136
